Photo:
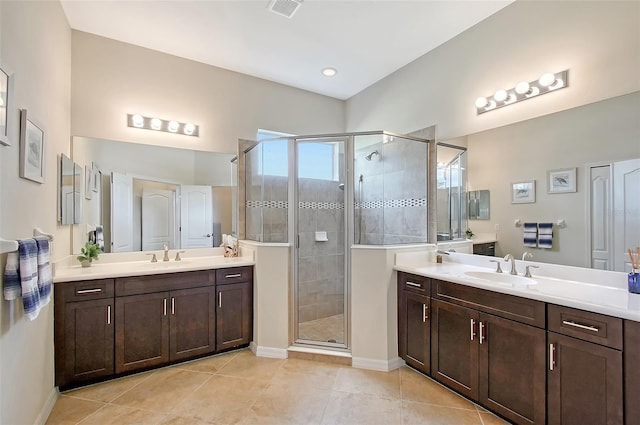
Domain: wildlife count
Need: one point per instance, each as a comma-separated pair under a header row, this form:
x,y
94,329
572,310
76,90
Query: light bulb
x,y
173,126
156,123
189,129
533,92
137,120
522,87
481,102
547,79
557,84
329,72
500,95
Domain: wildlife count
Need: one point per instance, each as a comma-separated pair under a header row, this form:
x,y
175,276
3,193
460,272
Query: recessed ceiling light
x,y
329,72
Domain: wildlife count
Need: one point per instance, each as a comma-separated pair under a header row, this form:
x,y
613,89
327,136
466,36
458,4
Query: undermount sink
x,y
507,279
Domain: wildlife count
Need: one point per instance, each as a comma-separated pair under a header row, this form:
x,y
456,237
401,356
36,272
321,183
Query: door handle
x,y
424,313
552,352
173,305
108,315
481,331
220,299
164,306
473,329
208,235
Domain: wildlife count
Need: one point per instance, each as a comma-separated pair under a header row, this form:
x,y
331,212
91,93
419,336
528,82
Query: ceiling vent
x,y
284,8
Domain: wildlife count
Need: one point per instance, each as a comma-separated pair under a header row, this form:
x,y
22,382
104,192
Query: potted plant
x,y
469,233
89,253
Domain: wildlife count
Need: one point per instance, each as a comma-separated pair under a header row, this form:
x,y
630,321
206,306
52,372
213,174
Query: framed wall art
x,y
32,145
562,181
6,100
523,192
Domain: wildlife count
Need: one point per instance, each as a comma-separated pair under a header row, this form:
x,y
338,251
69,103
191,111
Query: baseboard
x,y
373,364
275,353
48,407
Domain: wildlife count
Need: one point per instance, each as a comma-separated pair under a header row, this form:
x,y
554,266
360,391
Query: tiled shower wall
x,y
391,199
321,264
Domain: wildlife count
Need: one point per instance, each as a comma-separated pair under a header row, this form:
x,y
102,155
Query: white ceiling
x,y
364,40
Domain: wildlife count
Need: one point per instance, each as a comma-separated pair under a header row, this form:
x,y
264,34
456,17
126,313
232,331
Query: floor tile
x,y
208,365
179,420
311,367
361,381
222,399
362,409
110,390
491,419
69,410
417,387
429,414
285,378
122,415
163,390
247,365
289,405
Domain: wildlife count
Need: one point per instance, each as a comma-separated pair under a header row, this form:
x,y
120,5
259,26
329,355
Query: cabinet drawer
x,y
592,327
87,290
413,283
162,282
233,275
521,310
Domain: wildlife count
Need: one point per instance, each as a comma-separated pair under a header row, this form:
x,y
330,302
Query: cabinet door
x,y
142,331
584,382
454,347
233,315
512,369
88,340
192,322
415,330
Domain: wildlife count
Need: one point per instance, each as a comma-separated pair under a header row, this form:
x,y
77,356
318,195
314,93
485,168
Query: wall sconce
x,y
522,91
157,124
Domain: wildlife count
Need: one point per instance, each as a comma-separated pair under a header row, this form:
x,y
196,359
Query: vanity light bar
x,y
157,124
522,91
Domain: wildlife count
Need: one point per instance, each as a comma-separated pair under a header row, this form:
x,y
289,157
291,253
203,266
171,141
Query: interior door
x,y
196,218
600,212
626,211
158,219
121,213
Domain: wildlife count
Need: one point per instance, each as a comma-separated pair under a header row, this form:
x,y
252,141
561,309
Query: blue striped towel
x,y
45,278
21,277
530,234
545,235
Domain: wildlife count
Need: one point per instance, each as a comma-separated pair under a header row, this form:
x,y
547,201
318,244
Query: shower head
x,y
368,157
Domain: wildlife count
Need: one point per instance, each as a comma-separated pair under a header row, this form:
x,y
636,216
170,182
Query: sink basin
x,y
507,279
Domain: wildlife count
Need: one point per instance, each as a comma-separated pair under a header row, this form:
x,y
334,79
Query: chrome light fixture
x,y
157,124
524,90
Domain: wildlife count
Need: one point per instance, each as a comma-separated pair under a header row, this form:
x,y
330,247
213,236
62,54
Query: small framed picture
x,y
6,99
96,177
88,182
31,149
523,192
562,181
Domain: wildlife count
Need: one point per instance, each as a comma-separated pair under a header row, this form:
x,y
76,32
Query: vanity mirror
x,y
151,195
478,205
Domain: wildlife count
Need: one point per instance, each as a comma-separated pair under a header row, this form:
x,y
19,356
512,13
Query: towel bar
x,y
8,246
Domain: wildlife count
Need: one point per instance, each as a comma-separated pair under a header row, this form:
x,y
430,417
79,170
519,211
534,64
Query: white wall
x,y
599,42
111,79
36,45
603,131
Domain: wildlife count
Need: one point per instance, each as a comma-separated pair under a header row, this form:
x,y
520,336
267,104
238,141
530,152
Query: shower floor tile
x,y
328,329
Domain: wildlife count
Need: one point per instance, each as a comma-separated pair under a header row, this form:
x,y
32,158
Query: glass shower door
x,y
321,282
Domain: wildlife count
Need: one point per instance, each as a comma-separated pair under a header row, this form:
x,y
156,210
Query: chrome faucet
x,y
527,272
166,253
513,264
526,255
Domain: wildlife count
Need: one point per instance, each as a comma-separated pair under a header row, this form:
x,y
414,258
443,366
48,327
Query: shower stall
x,y
325,194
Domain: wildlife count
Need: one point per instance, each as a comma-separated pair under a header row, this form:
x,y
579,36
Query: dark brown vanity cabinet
x,y
585,381
414,323
84,330
497,359
488,248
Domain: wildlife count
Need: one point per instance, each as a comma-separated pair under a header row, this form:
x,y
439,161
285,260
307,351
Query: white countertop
x,y
111,269
592,290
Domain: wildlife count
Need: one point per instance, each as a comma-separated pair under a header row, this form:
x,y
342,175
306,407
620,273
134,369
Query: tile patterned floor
x,y
239,388
328,328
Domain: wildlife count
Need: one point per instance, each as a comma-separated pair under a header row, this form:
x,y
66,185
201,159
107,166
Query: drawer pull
x,y
552,361
424,313
481,330
229,276
108,315
89,291
473,329
578,325
415,285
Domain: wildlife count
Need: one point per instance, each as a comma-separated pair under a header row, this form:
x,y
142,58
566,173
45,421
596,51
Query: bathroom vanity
x,y
110,326
519,351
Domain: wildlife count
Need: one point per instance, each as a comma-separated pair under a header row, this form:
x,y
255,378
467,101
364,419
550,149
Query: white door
x,y
626,211
600,213
196,218
121,213
158,219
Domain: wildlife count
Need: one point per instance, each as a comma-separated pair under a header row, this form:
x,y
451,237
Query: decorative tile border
x,y
393,203
267,204
322,205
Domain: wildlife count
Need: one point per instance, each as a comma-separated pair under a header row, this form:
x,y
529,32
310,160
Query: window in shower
x,y
390,189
